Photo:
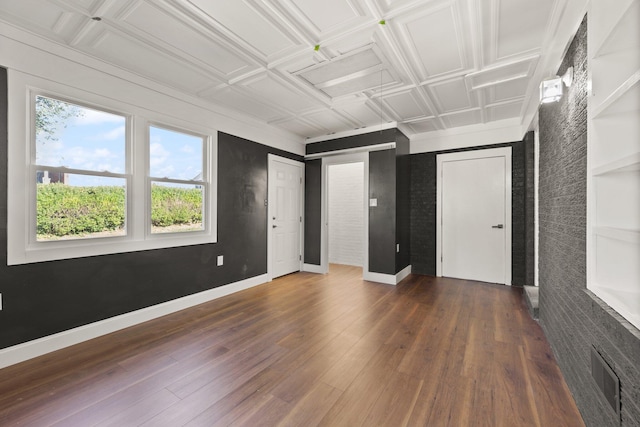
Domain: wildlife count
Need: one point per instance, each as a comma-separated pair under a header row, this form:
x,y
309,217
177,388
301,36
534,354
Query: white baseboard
x,y
403,273
388,279
312,268
29,350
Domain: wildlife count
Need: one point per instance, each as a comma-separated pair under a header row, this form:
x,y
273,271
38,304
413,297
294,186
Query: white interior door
x,y
285,196
475,215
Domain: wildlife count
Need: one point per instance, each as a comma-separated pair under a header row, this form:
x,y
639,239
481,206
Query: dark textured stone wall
x,y
518,212
574,319
529,215
423,211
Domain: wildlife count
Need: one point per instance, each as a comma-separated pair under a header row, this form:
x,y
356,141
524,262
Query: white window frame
x,y
206,166
34,244
22,247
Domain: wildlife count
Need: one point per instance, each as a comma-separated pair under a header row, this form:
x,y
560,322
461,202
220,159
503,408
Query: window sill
x,y
59,250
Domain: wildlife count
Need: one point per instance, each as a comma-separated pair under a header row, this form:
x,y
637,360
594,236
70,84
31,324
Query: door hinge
x,y
300,257
300,219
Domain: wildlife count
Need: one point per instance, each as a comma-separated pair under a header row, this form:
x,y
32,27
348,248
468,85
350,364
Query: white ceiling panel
x,y
521,25
246,22
329,120
500,73
364,114
326,15
159,24
244,103
509,90
405,105
451,95
463,118
275,91
135,56
504,111
299,127
422,126
435,41
341,67
376,80
88,7
43,17
317,67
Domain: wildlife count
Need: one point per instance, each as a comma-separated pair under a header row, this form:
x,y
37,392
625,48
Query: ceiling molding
x,y
443,63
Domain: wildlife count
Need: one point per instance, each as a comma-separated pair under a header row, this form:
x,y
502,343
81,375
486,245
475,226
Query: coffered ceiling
x,y
316,67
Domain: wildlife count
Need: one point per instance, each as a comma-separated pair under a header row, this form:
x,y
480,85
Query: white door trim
x,y
324,241
271,202
468,155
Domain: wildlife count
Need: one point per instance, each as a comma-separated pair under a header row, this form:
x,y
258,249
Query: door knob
x,y
498,226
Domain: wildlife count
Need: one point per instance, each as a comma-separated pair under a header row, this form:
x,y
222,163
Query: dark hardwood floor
x,y
307,350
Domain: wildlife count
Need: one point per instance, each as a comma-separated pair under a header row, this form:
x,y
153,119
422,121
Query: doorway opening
x,y
357,232
345,214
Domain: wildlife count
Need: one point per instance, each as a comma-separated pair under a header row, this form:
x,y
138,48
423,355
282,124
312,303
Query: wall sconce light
x,y
551,89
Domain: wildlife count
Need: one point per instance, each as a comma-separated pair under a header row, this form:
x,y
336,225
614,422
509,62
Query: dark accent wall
x,y
403,202
423,213
573,318
389,182
423,210
382,218
355,141
45,298
312,211
529,211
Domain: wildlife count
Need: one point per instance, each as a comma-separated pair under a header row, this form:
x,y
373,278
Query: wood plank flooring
x,y
309,350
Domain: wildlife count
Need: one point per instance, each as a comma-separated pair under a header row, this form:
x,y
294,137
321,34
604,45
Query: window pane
x,y
73,206
79,137
174,155
176,207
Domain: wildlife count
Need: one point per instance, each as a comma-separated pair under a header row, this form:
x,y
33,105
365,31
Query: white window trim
x,y
21,245
206,179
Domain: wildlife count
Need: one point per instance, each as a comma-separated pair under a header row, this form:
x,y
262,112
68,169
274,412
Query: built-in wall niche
x,y
614,155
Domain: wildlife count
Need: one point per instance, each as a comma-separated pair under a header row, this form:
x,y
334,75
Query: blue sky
x,y
95,141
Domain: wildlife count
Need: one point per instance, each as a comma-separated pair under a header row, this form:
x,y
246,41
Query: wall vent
x,y
606,379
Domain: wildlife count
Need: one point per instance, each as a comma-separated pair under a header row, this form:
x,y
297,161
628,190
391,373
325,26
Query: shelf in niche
x,y
626,303
624,99
628,163
622,234
624,33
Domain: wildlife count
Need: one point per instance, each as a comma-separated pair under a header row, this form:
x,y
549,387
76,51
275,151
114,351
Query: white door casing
x,y
285,207
474,215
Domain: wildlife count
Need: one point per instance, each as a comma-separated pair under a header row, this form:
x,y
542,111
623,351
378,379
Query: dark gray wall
x,y
423,210
529,211
403,202
389,182
382,218
355,141
312,211
45,298
574,319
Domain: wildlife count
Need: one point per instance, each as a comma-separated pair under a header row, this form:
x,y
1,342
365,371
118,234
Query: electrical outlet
x,y
220,260
373,202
